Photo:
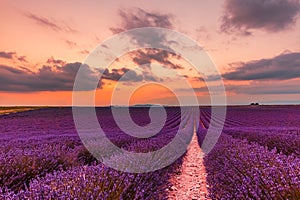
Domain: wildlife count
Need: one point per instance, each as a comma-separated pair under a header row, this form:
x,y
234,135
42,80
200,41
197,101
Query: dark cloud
x,y
48,23
144,57
128,75
12,56
138,18
271,88
210,78
254,88
269,15
216,77
8,55
22,59
58,75
117,74
55,61
203,79
282,67
47,78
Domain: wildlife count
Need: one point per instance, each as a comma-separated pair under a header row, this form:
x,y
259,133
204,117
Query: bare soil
x,y
190,181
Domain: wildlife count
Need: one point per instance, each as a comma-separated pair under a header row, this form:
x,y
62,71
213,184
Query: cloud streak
x,y
254,88
7,55
262,88
268,15
48,23
282,67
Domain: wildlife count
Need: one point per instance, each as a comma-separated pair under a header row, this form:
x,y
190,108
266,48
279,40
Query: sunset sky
x,y
255,44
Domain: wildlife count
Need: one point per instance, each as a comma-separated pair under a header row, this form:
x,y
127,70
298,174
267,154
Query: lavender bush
x,y
257,155
239,170
43,157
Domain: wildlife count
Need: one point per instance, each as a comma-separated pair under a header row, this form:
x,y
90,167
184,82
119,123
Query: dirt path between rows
x,y
190,182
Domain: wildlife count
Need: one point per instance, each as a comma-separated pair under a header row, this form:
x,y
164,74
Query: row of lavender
x,y
43,157
275,128
257,155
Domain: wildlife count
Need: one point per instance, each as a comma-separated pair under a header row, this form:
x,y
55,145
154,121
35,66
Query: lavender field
x,y
256,157
257,154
